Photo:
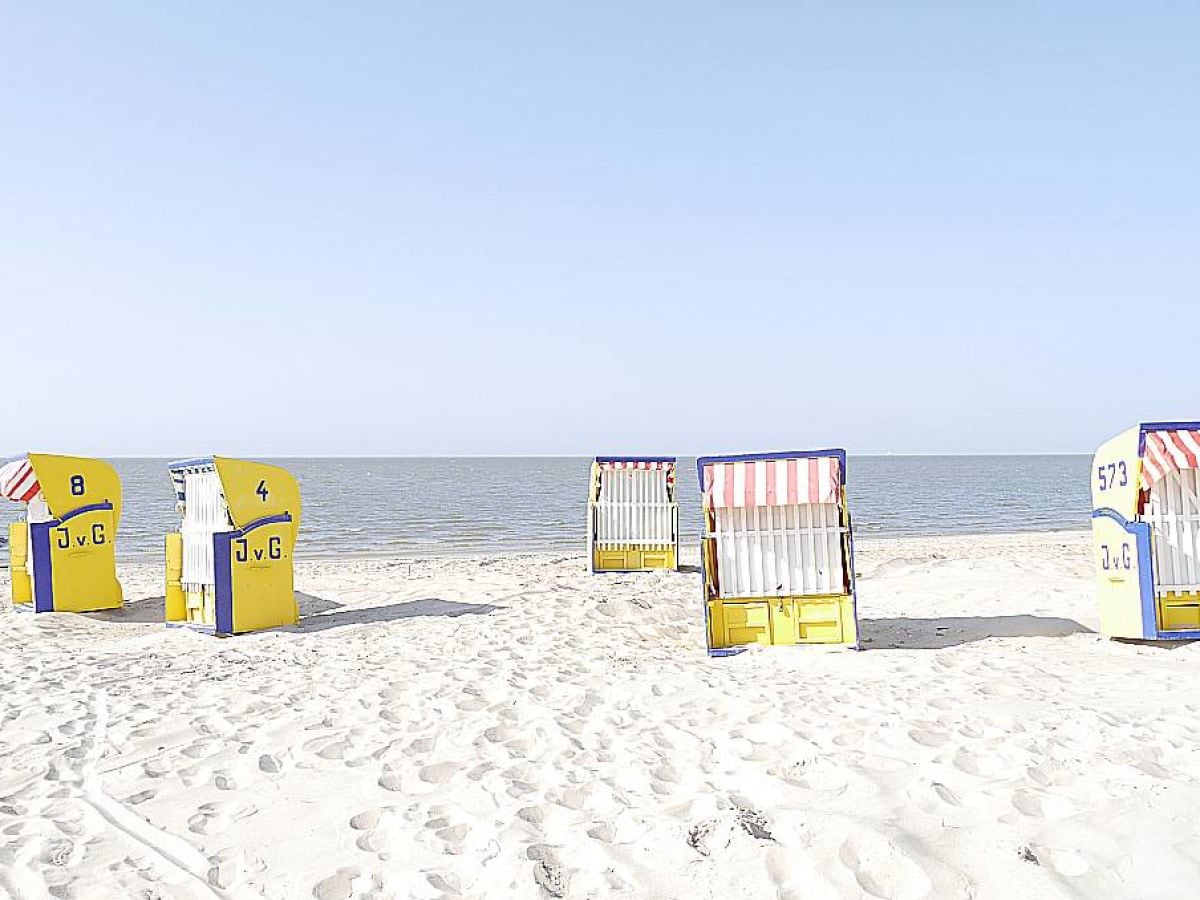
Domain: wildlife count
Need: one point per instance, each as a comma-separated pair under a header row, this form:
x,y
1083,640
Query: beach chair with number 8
x,y
63,556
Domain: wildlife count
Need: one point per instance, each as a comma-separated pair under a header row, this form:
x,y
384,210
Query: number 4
x,y
262,491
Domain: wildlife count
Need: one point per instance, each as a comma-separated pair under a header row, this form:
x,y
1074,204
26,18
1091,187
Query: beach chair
x,y
63,555
229,567
1146,532
633,517
777,551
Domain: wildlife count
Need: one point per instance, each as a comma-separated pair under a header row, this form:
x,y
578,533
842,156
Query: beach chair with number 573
x,y
1146,532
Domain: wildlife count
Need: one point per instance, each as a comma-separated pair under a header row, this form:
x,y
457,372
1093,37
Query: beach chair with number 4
x,y
1146,532
230,565
777,551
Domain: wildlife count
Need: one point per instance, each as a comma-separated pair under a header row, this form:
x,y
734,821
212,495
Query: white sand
x,y
513,727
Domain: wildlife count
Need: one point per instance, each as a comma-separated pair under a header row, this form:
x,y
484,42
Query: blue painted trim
x,y
1141,533
607,459
223,577
783,454
727,651
187,463
853,579
91,507
1162,426
259,523
43,573
1177,636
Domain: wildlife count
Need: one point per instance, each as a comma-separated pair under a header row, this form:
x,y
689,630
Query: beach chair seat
x,y
230,564
63,553
633,516
776,550
1146,531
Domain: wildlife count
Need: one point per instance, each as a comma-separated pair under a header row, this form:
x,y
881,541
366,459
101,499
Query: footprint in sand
x,y
927,737
213,818
882,869
380,830
1040,805
345,884
1065,862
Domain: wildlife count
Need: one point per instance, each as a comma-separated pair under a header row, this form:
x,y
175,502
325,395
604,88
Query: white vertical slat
x,y
1176,505
1187,483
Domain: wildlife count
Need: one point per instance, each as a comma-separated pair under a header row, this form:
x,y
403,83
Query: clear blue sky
x,y
476,227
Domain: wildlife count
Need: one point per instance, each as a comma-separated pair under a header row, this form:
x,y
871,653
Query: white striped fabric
x,y
772,482
1173,512
205,513
18,481
1167,452
635,506
179,474
793,550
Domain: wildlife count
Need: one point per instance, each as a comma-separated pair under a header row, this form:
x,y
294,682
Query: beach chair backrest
x,y
635,503
200,500
779,526
1171,472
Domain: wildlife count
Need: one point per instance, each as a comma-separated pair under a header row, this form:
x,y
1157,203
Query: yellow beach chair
x,y
633,517
1146,532
230,565
63,556
777,550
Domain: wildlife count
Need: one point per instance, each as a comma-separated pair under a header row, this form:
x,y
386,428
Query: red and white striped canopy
x,y
1167,452
772,482
17,481
636,464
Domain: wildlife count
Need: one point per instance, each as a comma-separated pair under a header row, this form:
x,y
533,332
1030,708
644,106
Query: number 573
x,y
1113,474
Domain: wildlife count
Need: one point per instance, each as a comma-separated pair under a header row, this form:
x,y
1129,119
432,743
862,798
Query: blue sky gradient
x,y
544,228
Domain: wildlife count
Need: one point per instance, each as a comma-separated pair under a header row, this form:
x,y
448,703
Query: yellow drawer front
x,y
782,621
1179,612
633,559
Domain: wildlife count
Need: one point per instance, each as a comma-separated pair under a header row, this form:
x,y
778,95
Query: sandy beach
x,y
512,726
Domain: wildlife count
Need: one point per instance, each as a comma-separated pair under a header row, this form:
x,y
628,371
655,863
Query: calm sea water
x,y
412,506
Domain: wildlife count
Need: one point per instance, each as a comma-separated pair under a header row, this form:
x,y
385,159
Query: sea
x,y
417,506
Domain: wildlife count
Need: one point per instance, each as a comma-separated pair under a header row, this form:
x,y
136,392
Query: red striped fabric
x,y
18,481
772,482
636,464
1167,452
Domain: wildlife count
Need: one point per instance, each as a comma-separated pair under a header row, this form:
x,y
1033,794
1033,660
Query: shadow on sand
x,y
938,634
316,613
136,612
409,609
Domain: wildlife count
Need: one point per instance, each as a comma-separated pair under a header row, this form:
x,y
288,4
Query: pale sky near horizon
x,y
476,228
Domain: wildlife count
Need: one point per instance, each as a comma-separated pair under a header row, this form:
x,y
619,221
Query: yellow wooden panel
x,y
18,558
71,482
256,490
83,563
262,578
782,621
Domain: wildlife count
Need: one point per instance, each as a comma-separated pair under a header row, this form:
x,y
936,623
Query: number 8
x,y
77,487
